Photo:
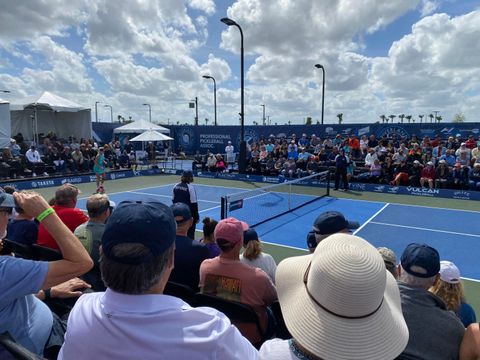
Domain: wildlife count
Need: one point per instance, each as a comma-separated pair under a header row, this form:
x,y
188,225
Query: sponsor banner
x,y
378,188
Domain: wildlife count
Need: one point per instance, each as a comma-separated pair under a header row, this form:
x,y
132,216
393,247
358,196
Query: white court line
x,y
124,191
285,246
426,229
370,219
167,196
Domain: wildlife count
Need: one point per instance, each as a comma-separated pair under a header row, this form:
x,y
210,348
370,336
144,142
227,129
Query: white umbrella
x,y
140,126
151,135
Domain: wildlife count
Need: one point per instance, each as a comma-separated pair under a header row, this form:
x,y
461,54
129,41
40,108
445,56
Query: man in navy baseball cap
x,y
328,223
133,318
150,224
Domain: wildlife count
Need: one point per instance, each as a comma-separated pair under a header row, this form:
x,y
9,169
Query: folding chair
x,y
180,291
16,350
20,250
241,315
46,254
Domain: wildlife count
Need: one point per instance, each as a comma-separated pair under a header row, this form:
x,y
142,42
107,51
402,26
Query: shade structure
x,y
50,112
151,135
139,127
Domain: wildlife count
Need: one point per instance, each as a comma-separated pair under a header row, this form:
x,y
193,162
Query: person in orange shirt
x,y
354,145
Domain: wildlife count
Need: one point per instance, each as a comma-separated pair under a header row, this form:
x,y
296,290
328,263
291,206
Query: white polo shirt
x,y
111,325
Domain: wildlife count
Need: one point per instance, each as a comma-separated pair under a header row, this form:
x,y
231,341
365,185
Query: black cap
x,y
149,223
181,212
331,222
420,260
249,235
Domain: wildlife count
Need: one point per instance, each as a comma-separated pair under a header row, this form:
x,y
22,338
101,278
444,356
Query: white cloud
x,y
26,19
208,6
429,7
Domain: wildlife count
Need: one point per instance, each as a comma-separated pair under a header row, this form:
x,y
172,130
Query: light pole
x,y
111,111
436,115
96,110
196,110
242,159
149,112
214,95
263,119
318,66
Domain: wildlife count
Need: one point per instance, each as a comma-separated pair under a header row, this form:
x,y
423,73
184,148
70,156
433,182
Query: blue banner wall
x,y
379,188
215,138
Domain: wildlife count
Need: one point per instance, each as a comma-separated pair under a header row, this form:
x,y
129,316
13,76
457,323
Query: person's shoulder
x,y
276,349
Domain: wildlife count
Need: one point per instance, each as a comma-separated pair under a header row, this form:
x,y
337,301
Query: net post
x,y
223,202
328,182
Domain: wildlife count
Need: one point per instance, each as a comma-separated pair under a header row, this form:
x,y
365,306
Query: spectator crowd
x,y
108,294
60,156
391,159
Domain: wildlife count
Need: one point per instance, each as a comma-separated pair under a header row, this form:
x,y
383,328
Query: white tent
x,y
51,112
151,135
140,126
5,132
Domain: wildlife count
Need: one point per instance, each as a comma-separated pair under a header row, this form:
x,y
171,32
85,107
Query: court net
x,y
266,203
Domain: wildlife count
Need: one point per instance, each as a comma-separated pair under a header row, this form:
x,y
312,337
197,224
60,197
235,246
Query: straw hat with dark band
x,y
341,303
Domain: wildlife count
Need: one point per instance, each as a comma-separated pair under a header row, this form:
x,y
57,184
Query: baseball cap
x,y
449,272
230,230
430,163
181,212
420,260
389,257
249,235
149,223
311,240
331,222
416,162
6,200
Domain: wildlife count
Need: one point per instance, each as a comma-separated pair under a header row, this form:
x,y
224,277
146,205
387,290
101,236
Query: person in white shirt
x,y
254,256
35,162
133,319
371,157
229,150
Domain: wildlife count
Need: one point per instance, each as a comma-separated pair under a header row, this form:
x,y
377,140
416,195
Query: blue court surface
x,y
454,233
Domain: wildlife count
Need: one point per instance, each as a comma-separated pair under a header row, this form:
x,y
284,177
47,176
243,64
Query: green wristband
x,y
44,214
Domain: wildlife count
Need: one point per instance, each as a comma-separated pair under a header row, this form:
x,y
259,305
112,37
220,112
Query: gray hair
x,y
415,281
133,279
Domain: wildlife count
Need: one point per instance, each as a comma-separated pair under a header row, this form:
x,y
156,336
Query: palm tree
x,y
401,116
439,118
340,118
421,118
431,117
206,121
392,117
382,117
409,118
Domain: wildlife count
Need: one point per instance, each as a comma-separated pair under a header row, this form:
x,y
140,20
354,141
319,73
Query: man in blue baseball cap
x,y
189,254
132,319
435,332
328,223
184,192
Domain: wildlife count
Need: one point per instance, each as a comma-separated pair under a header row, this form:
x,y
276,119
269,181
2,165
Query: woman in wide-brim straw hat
x,y
338,303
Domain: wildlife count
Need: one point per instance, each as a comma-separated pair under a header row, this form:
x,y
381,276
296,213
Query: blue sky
x,y
396,57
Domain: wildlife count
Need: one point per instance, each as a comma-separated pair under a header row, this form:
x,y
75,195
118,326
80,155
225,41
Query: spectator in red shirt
x,y
428,175
65,207
471,143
